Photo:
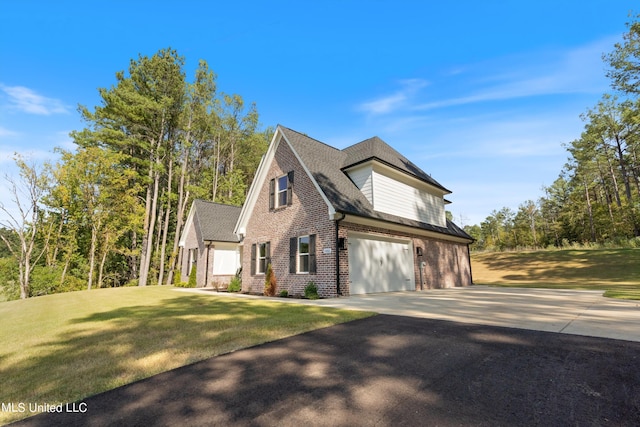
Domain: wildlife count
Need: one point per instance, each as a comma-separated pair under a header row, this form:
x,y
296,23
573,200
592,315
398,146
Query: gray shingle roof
x,y
375,148
327,163
216,221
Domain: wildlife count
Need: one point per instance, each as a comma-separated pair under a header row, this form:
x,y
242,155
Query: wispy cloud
x,y
28,101
5,133
395,101
575,71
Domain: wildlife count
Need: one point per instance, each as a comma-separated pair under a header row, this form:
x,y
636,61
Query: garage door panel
x,y
377,265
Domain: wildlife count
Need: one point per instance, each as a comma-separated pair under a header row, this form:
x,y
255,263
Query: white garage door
x,y
378,264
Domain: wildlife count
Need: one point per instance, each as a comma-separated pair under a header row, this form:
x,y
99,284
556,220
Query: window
x,y
283,184
280,191
193,258
302,254
260,257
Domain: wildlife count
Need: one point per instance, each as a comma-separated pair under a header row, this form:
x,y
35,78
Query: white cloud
x,y
28,101
397,100
579,70
6,133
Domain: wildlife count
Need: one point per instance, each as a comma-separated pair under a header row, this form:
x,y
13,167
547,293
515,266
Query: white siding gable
x,y
397,198
393,196
362,177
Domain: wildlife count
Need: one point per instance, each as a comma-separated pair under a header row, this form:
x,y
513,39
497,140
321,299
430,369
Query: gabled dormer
x,y
394,185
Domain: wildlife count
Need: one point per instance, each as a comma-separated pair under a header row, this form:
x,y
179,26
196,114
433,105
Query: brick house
x,y
209,244
365,209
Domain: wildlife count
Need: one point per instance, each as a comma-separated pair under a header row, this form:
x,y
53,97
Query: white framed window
x,y
282,184
303,254
260,257
280,191
261,266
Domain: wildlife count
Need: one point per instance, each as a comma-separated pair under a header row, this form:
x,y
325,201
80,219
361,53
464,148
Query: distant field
x,y
64,347
616,271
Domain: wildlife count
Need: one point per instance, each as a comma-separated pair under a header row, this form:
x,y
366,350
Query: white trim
x,y
331,209
187,225
401,176
256,185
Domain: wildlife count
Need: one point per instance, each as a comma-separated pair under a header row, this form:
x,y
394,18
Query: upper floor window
x,y
281,191
283,185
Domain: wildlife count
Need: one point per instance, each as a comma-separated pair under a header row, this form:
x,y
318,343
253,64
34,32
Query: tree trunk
x,y
144,271
589,211
92,254
144,253
180,214
103,259
165,231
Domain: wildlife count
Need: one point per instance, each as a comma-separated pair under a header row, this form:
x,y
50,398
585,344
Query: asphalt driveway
x,y
383,371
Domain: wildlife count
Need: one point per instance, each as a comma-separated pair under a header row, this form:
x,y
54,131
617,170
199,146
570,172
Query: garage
x,y
379,264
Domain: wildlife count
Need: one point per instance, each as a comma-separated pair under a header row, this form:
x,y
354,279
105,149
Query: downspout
x,y
206,271
469,258
338,291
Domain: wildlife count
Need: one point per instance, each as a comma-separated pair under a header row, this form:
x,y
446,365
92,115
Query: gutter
x,y
338,291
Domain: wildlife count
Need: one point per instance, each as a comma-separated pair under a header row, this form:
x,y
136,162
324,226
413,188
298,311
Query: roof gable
x,y
213,221
376,149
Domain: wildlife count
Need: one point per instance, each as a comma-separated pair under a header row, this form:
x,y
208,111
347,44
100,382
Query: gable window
x,y
260,257
302,254
280,191
283,184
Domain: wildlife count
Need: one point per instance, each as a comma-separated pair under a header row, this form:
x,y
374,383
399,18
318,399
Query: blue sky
x,y
481,95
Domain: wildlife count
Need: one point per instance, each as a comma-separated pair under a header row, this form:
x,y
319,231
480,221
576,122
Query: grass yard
x,y
64,347
616,271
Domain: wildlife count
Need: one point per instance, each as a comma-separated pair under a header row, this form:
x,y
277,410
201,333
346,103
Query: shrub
x,y
270,282
235,285
284,293
192,278
311,291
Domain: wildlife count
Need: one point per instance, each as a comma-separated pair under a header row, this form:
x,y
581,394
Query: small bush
x,y
270,282
192,278
235,285
284,293
311,291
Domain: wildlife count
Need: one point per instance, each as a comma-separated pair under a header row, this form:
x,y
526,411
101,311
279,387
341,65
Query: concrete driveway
x,y
551,310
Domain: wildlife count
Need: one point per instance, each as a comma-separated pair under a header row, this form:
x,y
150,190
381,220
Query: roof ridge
x,y
309,137
216,203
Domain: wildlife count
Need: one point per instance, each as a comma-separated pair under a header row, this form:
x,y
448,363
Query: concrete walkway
x,y
574,312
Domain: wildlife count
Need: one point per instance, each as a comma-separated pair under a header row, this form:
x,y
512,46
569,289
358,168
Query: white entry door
x,y
378,264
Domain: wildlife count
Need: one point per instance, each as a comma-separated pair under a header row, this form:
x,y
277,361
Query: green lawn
x,y
64,347
616,271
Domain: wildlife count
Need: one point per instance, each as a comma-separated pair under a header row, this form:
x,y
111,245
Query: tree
x,y
139,118
27,194
625,61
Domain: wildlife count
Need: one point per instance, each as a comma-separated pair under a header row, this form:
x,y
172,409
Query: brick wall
x,y
308,214
191,241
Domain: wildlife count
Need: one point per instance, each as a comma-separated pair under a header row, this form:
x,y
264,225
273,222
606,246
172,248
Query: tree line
x,y
110,212
596,197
